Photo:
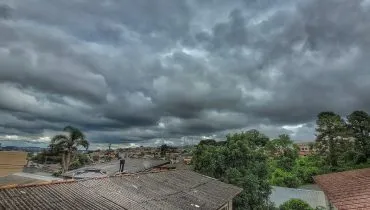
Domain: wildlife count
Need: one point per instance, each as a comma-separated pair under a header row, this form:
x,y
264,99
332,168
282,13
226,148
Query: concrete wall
x,y
12,162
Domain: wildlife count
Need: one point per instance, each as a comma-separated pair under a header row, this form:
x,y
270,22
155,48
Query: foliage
x,y
283,178
46,156
163,149
283,155
359,125
283,151
79,161
212,142
282,146
67,145
307,167
240,161
331,137
343,144
295,204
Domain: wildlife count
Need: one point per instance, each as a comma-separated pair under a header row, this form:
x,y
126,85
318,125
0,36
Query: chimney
x,y
121,165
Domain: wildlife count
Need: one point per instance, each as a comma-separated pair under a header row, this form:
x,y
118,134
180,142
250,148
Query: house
x,y
314,198
132,165
187,160
304,148
346,190
168,190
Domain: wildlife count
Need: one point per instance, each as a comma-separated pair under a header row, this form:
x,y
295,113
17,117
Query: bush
x,y
295,204
283,178
360,158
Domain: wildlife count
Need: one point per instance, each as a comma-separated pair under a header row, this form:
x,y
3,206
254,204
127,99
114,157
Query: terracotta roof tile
x,y
347,190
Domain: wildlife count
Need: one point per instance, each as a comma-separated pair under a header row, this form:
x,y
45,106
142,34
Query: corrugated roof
x,y
347,190
131,166
169,190
314,198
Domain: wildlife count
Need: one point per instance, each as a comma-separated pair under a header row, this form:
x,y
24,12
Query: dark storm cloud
x,y
137,71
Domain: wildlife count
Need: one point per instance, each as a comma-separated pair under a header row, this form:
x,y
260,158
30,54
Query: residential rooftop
x,y
25,178
314,198
168,190
347,190
132,165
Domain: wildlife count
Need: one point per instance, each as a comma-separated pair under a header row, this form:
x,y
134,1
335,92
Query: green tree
x,y
282,178
331,137
295,204
283,151
307,167
209,160
164,148
67,145
359,124
241,161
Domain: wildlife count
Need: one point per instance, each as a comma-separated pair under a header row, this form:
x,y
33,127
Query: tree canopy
x,y
254,162
331,137
67,145
295,204
240,161
359,125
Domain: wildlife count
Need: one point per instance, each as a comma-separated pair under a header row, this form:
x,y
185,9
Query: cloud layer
x,y
137,71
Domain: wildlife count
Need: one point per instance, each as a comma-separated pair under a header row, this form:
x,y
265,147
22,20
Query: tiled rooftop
x,y
169,190
347,190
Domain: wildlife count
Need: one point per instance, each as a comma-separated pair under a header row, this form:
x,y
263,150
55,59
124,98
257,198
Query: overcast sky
x,y
132,72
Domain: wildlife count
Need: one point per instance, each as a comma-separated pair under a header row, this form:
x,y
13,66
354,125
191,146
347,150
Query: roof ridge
x,y
11,186
342,172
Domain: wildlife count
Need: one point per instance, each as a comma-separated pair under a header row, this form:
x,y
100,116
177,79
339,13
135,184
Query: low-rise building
x,y
314,198
305,148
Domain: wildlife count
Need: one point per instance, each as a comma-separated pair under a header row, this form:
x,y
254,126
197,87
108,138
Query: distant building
x,y
169,190
346,190
187,160
305,148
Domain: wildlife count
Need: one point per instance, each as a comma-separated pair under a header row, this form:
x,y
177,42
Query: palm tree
x,y
68,145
